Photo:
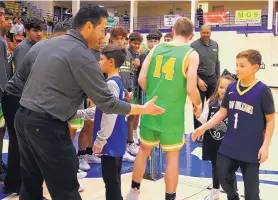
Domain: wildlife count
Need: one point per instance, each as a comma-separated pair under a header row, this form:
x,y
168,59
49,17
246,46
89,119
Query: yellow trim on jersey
x,y
2,122
184,69
247,89
148,143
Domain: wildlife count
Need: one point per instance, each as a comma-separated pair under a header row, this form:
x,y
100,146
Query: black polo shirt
x,y
209,62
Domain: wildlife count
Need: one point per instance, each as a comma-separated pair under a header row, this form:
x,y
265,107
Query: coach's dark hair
x,y
252,55
32,22
89,13
2,4
115,51
135,37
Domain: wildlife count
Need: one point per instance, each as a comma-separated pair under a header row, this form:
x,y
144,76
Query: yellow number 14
x,y
167,68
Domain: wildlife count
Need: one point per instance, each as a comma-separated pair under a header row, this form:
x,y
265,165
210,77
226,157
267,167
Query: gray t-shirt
x,y
63,72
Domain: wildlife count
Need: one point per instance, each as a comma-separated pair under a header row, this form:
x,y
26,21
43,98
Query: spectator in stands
x,y
153,38
126,20
209,65
168,37
19,27
200,16
49,25
171,12
7,25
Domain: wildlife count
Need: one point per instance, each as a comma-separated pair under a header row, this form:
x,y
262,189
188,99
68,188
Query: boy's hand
x,y
90,103
263,154
136,62
197,133
197,110
96,149
129,97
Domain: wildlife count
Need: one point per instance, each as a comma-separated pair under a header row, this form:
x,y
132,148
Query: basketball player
x,y
249,106
164,74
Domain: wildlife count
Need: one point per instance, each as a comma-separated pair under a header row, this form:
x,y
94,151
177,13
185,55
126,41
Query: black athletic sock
x,y
89,150
171,196
81,152
135,185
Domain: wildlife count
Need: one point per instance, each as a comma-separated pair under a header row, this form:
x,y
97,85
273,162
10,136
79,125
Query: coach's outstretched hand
x,y
152,109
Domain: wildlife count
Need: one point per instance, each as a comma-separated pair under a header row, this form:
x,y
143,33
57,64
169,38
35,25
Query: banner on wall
x,y
170,20
248,17
214,17
113,21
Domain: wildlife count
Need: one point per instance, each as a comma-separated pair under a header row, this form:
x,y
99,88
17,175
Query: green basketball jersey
x,y
166,80
144,47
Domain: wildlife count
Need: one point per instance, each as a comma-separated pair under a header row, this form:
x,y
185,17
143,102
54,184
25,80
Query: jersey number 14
x,y
167,68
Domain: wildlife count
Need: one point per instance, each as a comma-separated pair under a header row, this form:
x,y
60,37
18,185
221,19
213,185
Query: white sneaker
x,y
83,165
81,188
128,158
136,137
214,195
81,174
132,148
92,158
133,194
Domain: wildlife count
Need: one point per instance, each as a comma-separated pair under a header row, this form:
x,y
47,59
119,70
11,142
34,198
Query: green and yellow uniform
x,y
2,120
144,47
166,79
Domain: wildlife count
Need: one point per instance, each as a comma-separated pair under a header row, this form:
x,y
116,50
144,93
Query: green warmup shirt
x,y
166,80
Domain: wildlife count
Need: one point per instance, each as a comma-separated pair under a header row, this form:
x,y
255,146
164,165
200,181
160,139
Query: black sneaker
x,y
3,166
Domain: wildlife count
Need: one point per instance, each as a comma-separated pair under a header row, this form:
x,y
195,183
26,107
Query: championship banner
x,y
214,17
113,22
248,17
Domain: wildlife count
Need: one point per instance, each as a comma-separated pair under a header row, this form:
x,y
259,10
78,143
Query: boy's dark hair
x,y
252,55
2,4
89,13
115,51
118,31
154,35
135,37
168,35
32,22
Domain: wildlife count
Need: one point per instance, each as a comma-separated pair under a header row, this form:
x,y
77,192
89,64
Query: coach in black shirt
x,y
209,65
63,72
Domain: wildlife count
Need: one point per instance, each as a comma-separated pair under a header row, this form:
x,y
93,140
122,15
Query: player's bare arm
x,y
142,80
270,125
190,69
216,119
